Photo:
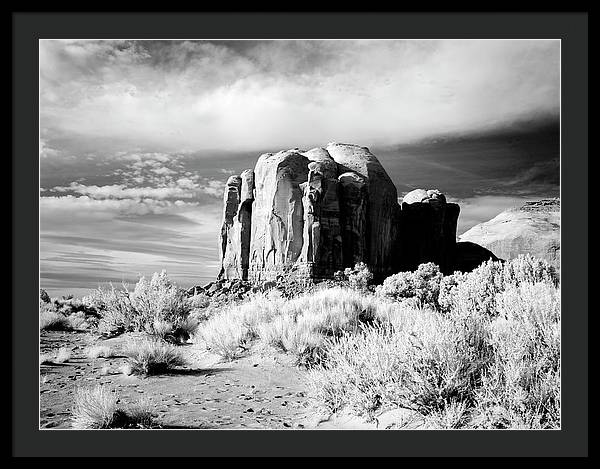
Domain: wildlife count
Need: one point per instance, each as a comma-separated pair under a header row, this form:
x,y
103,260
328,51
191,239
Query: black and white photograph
x,y
299,235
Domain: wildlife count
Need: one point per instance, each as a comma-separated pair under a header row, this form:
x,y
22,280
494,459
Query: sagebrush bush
x,y
159,299
156,306
522,389
358,277
149,357
423,284
115,308
421,360
477,290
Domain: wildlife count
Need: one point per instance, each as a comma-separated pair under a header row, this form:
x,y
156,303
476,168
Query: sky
x,y
138,137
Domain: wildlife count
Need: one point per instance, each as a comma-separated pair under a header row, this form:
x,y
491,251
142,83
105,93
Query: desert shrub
x,y
477,290
156,306
445,301
44,297
527,268
52,321
419,360
160,328
467,367
522,389
97,408
159,299
78,321
423,284
198,301
65,314
148,357
358,277
115,308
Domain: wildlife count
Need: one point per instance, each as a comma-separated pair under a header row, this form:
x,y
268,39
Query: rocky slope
x,y
533,228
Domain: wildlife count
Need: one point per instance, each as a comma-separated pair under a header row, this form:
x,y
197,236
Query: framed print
x,y
286,241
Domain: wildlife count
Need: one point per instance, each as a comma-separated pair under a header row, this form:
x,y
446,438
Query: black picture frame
x,y
29,27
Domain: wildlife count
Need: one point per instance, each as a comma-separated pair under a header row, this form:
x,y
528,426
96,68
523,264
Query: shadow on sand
x,y
195,372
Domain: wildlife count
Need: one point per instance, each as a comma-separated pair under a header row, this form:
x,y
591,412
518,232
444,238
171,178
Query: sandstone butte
x,y
532,228
307,214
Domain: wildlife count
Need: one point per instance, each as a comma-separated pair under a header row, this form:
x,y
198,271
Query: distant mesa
x,y
532,228
307,214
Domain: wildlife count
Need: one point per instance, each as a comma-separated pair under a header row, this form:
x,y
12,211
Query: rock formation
x,y
307,214
234,239
427,231
533,228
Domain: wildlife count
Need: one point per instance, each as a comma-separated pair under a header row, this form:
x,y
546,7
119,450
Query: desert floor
x,y
261,391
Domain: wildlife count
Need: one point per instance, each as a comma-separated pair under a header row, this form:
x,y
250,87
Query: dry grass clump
x,y
150,357
94,408
46,359
306,321
63,355
52,321
298,326
97,351
229,332
65,314
97,408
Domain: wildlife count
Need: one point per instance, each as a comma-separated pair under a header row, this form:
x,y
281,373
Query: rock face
x,y
234,240
277,213
307,214
375,220
469,256
533,228
427,230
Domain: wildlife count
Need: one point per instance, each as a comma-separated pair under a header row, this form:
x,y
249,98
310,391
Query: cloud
x,y
86,241
188,96
182,189
144,179
101,205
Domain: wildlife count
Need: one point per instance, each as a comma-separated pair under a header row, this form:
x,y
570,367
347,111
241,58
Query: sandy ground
x,y
261,391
